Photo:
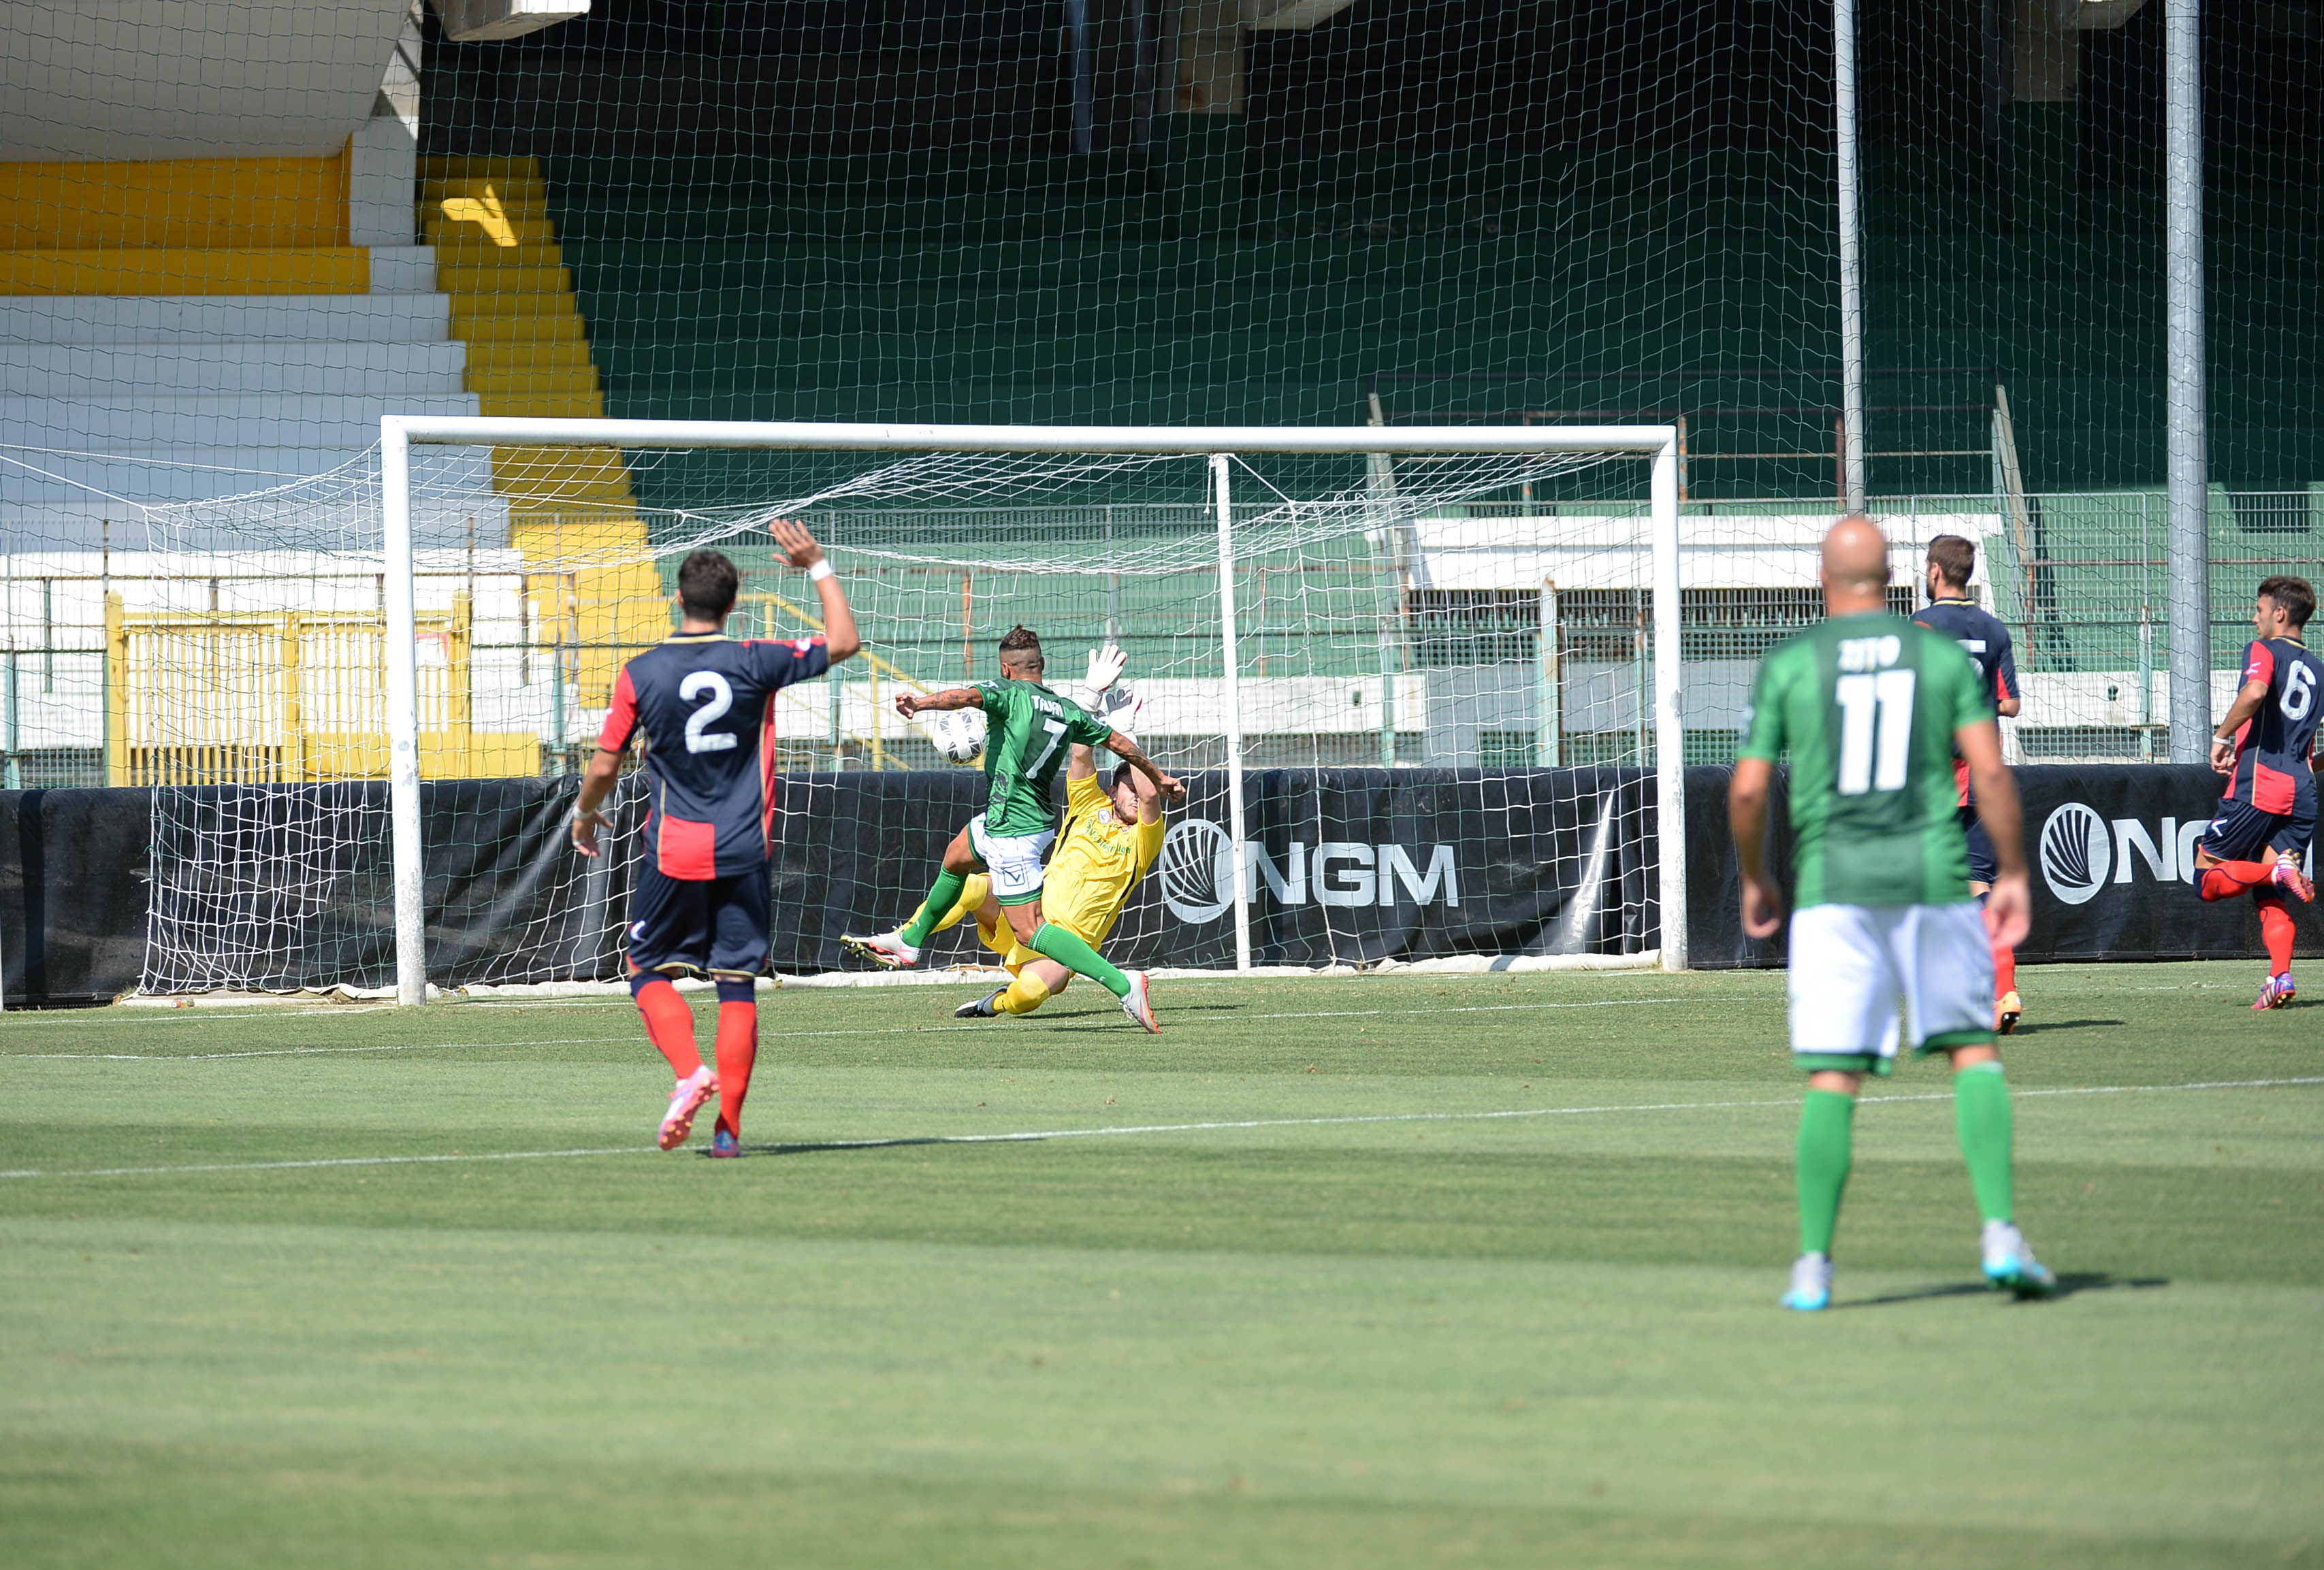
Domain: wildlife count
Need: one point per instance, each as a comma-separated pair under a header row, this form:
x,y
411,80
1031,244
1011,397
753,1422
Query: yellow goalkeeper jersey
x,y
1097,862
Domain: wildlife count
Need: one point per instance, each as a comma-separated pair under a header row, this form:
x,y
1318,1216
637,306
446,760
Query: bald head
x,y
1854,566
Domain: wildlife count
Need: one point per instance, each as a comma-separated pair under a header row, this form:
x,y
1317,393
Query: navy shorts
x,y
2241,830
1982,867
717,924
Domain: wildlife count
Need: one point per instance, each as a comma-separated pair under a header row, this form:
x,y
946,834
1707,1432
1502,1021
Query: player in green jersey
x,y
1030,733
1871,708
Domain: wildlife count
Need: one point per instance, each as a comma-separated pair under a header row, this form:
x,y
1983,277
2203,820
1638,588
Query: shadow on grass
x,y
2070,1282
2061,1024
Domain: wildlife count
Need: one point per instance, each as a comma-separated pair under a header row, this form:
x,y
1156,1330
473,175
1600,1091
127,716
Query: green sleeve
x,y
1085,727
1763,721
1000,699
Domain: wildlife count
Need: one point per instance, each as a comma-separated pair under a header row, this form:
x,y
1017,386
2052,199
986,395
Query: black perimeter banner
x,y
1358,864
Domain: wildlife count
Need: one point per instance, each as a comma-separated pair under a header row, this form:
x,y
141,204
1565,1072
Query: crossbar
x,y
508,430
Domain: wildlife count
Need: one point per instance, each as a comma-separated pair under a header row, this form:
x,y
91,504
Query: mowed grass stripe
x,y
976,1029
1122,1131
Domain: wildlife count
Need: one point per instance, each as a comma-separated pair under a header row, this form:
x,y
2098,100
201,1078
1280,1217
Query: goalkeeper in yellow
x,y
1111,835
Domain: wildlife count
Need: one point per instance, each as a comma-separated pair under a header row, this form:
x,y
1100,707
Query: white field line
x,y
905,1030
21,1018
1117,1131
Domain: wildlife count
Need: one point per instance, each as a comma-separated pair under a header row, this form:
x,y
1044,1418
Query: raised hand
x,y
1105,667
793,539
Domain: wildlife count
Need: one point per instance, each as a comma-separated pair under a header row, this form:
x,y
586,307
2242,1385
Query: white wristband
x,y
821,570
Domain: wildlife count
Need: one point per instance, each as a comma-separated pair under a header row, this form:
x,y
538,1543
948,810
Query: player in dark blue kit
x,y
1953,562
2267,747
704,705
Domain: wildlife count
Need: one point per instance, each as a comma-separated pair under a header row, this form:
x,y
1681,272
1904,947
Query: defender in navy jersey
x,y
1951,610
701,707
2267,747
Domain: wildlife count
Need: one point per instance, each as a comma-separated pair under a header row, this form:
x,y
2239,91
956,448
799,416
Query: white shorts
x,y
1013,862
1852,964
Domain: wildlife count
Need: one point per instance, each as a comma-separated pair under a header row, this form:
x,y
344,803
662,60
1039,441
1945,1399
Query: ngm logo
x,y
2080,849
1197,866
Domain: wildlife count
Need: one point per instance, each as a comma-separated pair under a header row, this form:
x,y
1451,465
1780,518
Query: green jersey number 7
x,y
1057,729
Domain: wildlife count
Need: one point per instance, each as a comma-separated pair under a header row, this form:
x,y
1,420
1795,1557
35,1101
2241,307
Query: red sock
x,y
738,1049
2230,878
2275,928
670,1023
2004,971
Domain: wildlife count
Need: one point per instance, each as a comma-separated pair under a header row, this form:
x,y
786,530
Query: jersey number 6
x,y
2298,692
722,698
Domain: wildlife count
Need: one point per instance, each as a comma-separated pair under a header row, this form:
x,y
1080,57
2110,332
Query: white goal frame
x,y
1659,444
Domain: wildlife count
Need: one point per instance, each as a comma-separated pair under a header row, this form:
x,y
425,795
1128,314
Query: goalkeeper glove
x,y
1105,666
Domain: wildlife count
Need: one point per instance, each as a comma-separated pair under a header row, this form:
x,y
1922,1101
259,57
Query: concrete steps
x,y
243,420
384,319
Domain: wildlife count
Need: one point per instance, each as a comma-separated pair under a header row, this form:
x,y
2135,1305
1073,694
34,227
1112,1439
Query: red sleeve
x,y
621,719
2259,663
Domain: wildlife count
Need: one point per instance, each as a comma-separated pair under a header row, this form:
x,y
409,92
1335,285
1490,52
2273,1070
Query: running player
x,y
705,705
1871,708
1111,838
2267,747
1028,732
1952,559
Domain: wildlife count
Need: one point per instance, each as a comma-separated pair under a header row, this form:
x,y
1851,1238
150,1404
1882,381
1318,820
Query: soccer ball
x,y
958,733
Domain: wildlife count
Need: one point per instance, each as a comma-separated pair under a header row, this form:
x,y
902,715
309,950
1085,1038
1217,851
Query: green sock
x,y
1981,1112
1827,1120
1053,941
943,895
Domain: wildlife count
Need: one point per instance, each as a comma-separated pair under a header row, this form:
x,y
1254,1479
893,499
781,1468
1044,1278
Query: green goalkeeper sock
x,y
943,895
1056,943
1981,1112
1826,1122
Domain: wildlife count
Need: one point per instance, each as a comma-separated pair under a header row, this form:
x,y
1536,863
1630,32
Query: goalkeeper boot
x,y
2276,992
981,1009
1810,1284
684,1102
1136,1005
886,949
2006,1012
2008,1262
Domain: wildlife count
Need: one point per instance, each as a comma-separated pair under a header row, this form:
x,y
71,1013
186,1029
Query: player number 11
x,y
1875,729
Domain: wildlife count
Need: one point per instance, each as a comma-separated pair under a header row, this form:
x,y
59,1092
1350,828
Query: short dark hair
x,y
2295,597
707,585
1121,773
1955,556
1024,643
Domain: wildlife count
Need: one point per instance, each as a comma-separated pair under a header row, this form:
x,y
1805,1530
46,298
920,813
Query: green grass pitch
x,y
1383,1272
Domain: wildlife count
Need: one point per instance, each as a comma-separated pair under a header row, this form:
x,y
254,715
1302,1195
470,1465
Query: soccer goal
x,y
1424,685
1278,593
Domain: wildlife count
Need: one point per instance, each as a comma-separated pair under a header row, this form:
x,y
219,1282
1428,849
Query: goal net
x,y
1416,711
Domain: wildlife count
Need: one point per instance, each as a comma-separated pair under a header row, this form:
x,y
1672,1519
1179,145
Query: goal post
x,y
1219,449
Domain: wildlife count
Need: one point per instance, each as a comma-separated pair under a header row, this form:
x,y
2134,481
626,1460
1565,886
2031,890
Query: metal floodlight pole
x,y
1670,721
1238,850
1851,254
402,719
2188,490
